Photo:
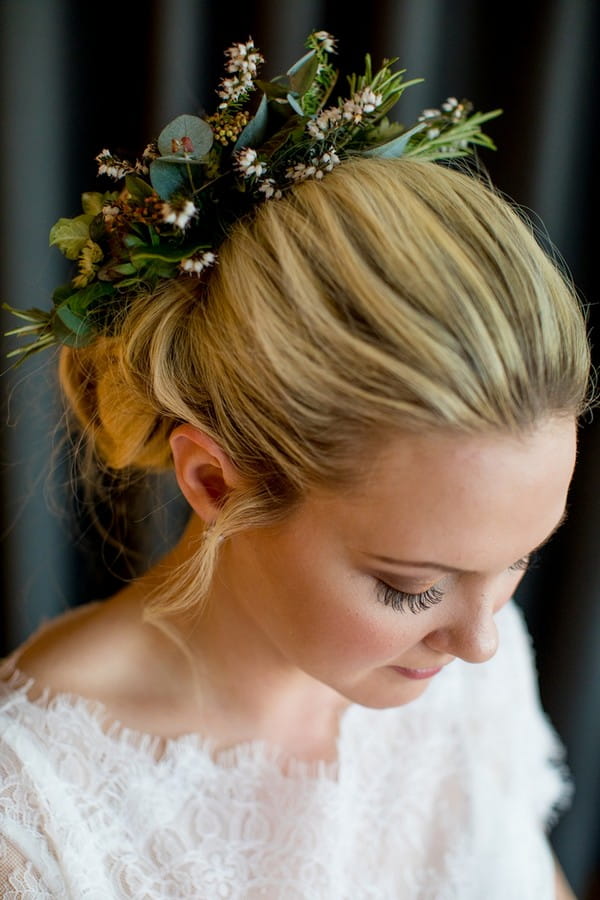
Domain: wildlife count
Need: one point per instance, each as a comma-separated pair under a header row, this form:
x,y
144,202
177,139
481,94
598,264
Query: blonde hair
x,y
393,294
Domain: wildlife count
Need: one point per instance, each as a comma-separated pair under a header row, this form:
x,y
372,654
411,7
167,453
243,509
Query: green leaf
x,y
69,235
187,137
79,327
82,300
395,147
291,99
167,254
303,72
167,178
137,188
272,89
92,202
254,133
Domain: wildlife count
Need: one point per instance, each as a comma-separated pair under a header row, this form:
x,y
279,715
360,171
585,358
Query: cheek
x,y
350,623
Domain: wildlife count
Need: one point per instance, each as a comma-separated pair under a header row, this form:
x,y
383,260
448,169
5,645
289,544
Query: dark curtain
x,y
77,77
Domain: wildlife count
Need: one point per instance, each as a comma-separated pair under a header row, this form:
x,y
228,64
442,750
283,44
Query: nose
x,y
470,632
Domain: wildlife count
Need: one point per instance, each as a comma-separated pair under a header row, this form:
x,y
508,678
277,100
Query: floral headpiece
x,y
176,204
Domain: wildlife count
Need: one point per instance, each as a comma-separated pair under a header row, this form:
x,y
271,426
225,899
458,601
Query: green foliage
x,y
178,201
69,235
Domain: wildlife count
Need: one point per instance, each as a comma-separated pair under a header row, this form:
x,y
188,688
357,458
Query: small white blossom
x,y
450,104
329,119
429,114
365,101
244,58
432,133
109,165
109,213
316,167
326,40
267,188
180,217
329,160
194,265
246,161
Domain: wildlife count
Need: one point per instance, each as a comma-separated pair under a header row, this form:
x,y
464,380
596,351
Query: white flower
x,y
329,119
432,133
365,101
326,41
180,217
316,168
450,104
368,99
329,160
108,165
267,188
109,213
246,161
194,265
244,58
429,114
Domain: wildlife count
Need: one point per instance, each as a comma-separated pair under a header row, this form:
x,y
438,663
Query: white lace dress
x,y
447,797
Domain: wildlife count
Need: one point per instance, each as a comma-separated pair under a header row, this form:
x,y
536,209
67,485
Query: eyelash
x,y
400,600
415,603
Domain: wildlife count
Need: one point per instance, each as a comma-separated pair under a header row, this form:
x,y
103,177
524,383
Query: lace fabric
x,y
447,797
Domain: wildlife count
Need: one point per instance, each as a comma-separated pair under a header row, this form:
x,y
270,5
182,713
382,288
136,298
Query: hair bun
x,y
116,415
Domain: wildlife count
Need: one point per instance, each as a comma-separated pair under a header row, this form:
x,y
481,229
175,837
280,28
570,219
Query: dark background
x,y
77,77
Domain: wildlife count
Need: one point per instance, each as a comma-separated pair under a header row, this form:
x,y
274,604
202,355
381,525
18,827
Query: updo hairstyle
x,y
393,294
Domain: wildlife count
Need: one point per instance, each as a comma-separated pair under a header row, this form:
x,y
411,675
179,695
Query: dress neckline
x,y
164,752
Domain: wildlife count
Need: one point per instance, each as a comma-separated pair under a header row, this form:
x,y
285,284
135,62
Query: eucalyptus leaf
x,y
396,147
192,133
69,235
291,99
303,72
254,132
167,178
272,89
181,160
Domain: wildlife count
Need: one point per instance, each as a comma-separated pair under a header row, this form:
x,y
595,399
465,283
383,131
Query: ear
x,y
204,472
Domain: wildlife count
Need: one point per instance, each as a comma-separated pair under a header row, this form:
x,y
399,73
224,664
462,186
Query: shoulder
x,y
83,651
105,653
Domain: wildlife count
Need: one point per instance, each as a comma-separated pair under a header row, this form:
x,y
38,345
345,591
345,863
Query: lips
x,y
417,674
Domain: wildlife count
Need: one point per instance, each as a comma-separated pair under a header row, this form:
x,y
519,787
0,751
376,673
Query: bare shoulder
x,y
93,651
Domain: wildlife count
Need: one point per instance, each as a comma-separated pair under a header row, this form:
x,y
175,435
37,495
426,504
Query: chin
x,y
378,698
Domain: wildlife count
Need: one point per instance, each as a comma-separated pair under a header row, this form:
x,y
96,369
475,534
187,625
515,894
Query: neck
x,y
237,682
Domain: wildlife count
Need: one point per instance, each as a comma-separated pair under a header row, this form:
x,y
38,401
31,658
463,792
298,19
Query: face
x,y
371,590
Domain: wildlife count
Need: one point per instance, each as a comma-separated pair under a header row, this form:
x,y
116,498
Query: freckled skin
x,y
298,600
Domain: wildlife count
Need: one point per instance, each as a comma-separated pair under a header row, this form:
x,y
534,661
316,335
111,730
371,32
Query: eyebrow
x,y
441,567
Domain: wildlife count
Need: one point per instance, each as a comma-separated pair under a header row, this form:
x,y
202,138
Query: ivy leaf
x,y
69,235
186,137
167,178
92,202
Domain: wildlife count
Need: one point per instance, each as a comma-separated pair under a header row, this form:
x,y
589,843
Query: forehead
x,y
472,502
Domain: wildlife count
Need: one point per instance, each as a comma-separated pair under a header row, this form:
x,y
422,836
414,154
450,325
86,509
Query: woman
x,y
370,405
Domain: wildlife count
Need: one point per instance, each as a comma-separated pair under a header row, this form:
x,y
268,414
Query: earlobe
x,y
204,472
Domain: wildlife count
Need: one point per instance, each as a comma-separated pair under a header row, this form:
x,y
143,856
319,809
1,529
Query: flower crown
x,y
178,201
